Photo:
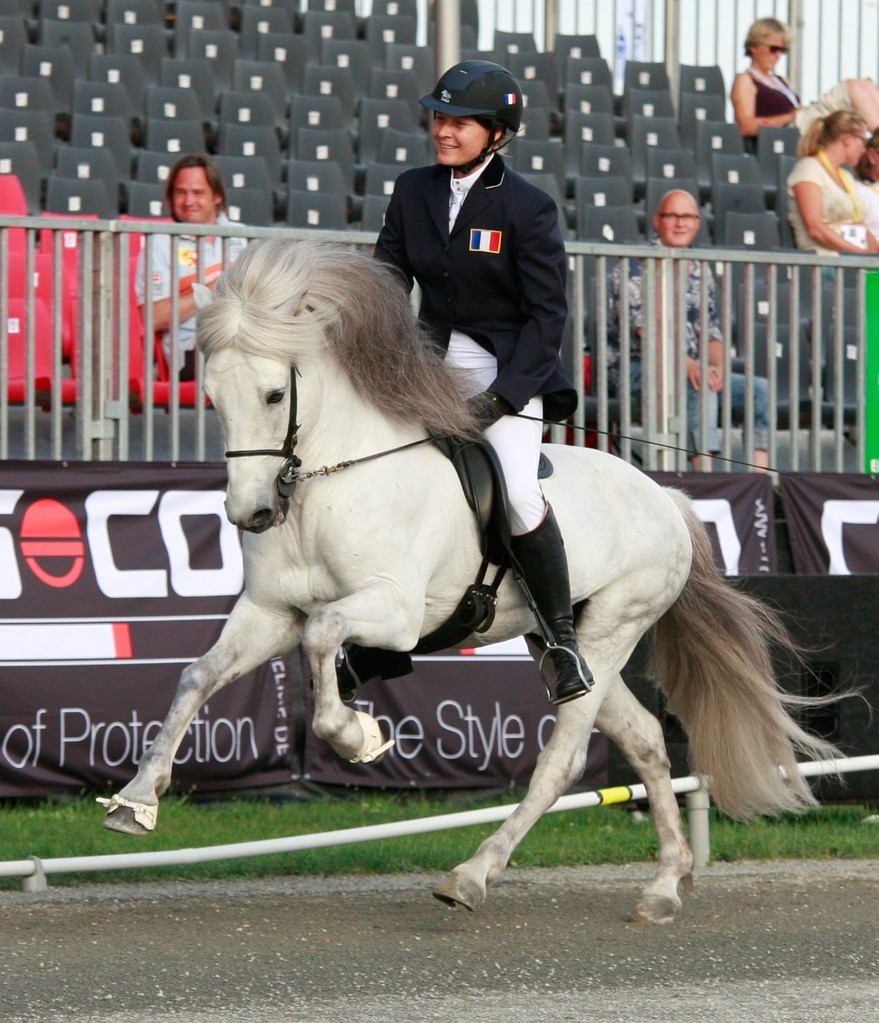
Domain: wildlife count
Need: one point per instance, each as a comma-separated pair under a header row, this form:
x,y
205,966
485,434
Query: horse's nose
x,y
260,520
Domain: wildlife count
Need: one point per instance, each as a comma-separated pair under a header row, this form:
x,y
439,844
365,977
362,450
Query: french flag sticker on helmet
x,y
485,241
510,99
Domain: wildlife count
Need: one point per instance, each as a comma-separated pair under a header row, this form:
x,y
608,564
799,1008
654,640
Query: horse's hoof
x,y
128,817
655,909
458,891
374,743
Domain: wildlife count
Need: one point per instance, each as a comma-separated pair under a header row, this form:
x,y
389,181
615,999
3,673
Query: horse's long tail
x,y
711,656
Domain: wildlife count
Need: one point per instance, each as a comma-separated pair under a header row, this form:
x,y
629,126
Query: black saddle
x,y
482,481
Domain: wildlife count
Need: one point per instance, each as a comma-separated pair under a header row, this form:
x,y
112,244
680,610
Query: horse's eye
x,y
275,398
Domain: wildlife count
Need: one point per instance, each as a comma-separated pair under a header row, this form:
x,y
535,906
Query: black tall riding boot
x,y
543,563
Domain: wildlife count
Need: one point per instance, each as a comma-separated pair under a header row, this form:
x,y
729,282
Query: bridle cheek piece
x,y
288,473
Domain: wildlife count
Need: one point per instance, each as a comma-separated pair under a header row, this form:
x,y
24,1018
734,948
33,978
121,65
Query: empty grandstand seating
x,y
315,82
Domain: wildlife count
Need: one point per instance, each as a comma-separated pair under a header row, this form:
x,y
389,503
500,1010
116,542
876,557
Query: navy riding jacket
x,y
499,277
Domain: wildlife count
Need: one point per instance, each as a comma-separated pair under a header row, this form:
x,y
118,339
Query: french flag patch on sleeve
x,y
485,241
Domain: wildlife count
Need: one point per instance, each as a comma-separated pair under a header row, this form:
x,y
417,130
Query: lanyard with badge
x,y
855,233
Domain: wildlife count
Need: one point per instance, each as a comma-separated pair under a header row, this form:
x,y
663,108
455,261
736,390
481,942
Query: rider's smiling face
x,y
457,140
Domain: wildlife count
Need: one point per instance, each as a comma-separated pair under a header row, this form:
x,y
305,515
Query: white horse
x,y
314,347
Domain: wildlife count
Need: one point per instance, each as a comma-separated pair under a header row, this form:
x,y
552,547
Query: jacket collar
x,y
480,195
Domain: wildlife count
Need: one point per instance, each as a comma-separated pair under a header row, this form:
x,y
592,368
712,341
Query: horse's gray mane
x,y
282,297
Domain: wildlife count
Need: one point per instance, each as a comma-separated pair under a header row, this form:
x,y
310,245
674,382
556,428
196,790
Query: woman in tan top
x,y
826,213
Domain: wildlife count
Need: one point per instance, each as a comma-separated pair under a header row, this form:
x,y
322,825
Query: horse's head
x,y
253,330
331,328
253,397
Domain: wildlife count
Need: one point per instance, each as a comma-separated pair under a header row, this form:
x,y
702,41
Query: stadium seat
x,y
195,75
316,112
196,15
147,42
649,133
265,77
253,140
574,46
694,107
74,196
76,37
254,109
382,30
13,201
145,199
414,58
377,115
328,80
773,143
701,79
13,38
713,137
507,43
123,69
219,46
408,148
34,126
317,210
178,137
256,21
290,52
752,231
611,224
326,144
95,163
350,54
21,161
253,206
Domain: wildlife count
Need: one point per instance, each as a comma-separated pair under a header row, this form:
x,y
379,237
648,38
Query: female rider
x,y
485,248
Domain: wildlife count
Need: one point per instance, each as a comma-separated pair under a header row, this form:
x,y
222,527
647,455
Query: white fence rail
x,y
35,871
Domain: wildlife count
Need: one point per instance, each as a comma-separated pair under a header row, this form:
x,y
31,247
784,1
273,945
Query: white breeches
x,y
516,441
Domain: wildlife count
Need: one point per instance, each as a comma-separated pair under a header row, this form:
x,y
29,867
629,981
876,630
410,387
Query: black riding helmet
x,y
480,89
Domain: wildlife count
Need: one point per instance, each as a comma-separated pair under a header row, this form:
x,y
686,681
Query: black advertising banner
x,y
833,522
462,719
113,577
737,509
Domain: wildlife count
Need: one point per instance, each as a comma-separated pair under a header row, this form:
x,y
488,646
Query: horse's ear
x,y
201,294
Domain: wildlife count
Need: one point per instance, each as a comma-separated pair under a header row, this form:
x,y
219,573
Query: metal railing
x,y
91,389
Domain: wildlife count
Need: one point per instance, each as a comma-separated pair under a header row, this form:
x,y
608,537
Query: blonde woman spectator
x,y
826,213
761,97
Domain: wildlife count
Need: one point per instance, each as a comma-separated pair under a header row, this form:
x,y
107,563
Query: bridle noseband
x,y
287,474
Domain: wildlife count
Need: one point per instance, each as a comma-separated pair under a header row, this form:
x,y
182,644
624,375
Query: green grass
x,y
592,836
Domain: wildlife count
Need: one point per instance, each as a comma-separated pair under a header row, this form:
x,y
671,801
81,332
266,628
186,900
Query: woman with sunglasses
x,y
763,98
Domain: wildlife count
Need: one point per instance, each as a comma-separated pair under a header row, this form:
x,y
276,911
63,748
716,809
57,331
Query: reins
x,y
289,474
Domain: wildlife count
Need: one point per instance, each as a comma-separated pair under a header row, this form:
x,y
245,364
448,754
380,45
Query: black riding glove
x,y
488,408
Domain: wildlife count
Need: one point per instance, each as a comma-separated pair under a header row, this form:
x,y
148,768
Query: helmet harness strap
x,y
491,147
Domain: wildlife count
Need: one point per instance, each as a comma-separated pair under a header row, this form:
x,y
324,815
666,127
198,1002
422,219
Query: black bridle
x,y
288,473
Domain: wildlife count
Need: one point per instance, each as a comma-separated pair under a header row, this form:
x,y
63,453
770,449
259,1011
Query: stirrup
x,y
574,690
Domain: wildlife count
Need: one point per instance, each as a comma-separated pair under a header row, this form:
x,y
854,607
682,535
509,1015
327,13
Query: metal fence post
x,y
698,805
